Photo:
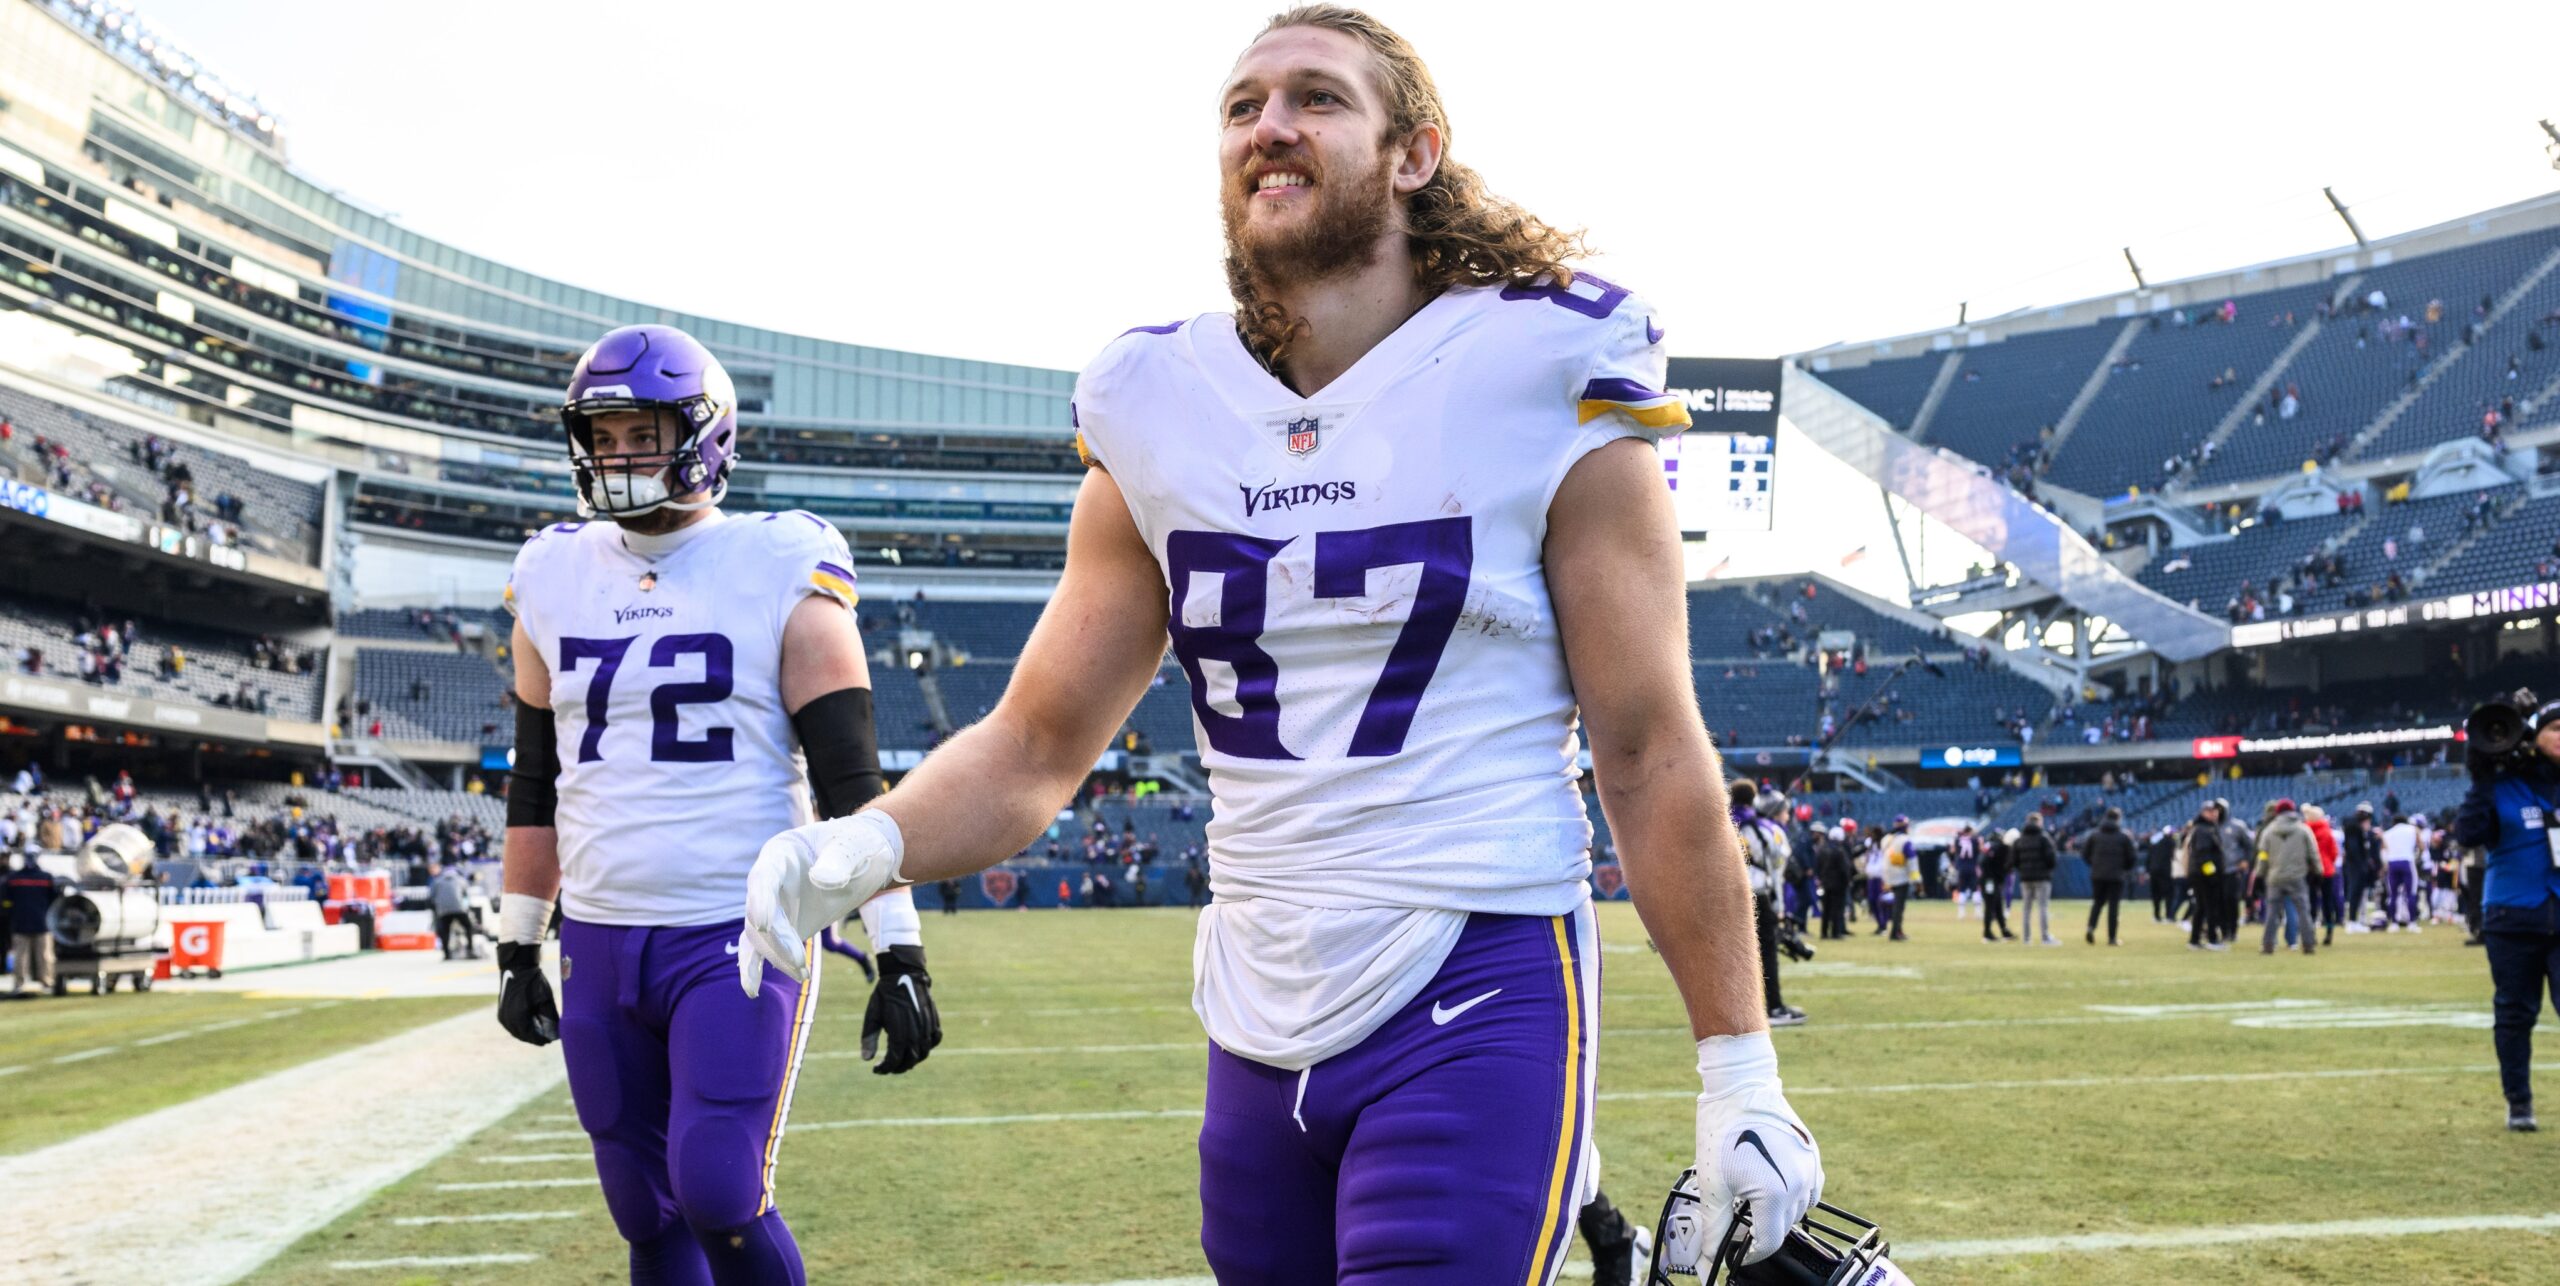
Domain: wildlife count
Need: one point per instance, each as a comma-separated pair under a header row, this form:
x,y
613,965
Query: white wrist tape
x,y
1727,1063
891,920
523,917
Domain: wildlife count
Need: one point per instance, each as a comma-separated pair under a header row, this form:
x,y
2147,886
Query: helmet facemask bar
x,y
629,484
1829,1247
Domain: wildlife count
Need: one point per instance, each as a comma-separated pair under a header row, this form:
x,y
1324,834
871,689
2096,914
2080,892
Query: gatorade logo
x,y
195,940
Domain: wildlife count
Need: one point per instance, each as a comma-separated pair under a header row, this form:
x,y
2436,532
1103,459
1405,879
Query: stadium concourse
x,y
266,457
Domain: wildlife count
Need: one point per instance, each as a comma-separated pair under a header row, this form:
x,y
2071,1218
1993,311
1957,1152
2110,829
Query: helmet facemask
x,y
627,484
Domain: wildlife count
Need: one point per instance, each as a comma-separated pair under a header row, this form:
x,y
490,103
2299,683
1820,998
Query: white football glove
x,y
806,879
1753,1151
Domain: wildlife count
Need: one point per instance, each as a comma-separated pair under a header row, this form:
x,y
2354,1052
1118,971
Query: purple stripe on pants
x,y
682,1084
1429,1153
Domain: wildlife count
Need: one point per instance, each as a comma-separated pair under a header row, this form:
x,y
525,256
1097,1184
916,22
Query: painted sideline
x,y
2233,1235
234,1183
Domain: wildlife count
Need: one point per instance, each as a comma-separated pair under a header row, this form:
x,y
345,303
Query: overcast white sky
x,y
1020,182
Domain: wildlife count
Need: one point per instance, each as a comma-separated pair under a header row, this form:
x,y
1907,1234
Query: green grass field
x,y
1960,1091
83,1062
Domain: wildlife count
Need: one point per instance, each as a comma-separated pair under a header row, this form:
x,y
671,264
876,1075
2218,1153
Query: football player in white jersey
x,y
687,679
1403,520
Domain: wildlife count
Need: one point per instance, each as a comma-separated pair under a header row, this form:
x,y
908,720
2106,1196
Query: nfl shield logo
x,y
998,884
1302,436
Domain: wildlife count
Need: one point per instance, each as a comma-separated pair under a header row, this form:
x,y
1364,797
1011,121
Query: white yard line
x,y
1025,1118
1193,1113
12,1071
503,1216
234,1183
496,1185
86,1054
430,1261
2087,1082
1200,1045
2165,1239
537,1158
2299,1234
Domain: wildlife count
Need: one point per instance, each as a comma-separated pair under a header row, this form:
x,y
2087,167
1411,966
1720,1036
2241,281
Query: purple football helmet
x,y
660,370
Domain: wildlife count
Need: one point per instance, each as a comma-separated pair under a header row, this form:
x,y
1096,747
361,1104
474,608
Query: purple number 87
x,y
1445,547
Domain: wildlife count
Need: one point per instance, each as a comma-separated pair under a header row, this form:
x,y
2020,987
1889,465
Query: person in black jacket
x,y
2160,862
2035,857
2359,862
1997,861
1831,868
2110,854
2205,862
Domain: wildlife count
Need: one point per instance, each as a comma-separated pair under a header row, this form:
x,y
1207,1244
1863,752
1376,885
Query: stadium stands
x,y
429,696
2006,393
143,473
2366,356
1894,388
2185,371
435,625
162,659
2210,577
2180,376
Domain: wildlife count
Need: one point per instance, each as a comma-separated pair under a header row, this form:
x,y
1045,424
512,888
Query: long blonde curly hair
x,y
1459,231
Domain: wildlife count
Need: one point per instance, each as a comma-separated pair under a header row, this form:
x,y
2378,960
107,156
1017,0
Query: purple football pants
x,y
1449,1148
682,1084
2400,898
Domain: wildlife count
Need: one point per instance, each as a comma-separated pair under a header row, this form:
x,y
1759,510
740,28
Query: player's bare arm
x,y
826,689
1613,559
993,788
530,864
996,786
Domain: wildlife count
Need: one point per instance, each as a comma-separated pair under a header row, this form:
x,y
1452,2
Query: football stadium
x,y
2127,710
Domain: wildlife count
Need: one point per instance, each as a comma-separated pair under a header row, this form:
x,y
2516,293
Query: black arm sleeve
x,y
533,784
843,750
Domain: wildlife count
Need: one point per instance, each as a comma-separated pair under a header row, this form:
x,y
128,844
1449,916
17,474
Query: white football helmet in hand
x,y
1754,1154
806,879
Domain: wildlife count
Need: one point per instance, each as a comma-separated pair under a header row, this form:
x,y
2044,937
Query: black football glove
x,y
902,1006
525,1006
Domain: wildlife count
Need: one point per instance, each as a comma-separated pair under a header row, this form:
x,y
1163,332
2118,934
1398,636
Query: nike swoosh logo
x,y
1752,1137
732,948
910,985
1441,1015
1652,333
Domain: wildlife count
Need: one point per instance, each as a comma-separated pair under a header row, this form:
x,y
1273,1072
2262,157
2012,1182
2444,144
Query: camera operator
x,y
2515,791
1759,818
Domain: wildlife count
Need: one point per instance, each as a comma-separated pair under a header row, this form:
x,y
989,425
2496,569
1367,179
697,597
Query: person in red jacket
x,y
2325,889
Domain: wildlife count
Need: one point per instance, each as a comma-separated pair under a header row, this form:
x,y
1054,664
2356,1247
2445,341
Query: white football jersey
x,y
1359,599
677,759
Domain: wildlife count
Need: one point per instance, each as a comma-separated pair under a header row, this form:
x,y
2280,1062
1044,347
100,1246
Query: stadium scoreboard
x,y
1724,471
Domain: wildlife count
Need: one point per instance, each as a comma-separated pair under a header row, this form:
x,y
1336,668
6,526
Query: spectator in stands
x,y
2110,854
2034,856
